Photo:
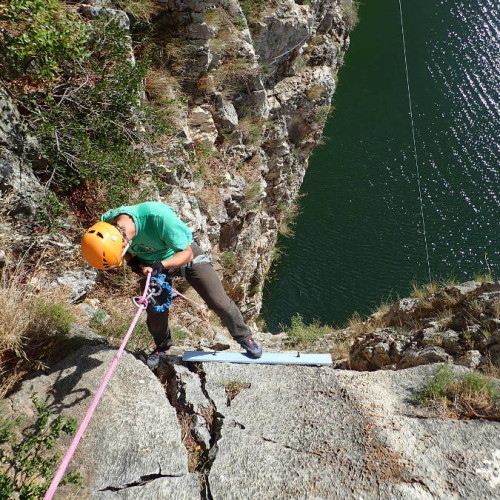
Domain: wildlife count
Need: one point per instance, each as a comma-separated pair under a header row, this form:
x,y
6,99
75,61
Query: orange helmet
x,y
102,246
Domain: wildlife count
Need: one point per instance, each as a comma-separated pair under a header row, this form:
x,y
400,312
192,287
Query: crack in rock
x,y
201,423
144,479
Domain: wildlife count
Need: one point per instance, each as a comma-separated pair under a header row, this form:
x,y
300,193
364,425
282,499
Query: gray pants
x,y
203,278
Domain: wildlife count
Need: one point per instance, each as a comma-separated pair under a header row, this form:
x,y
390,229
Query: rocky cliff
x,y
249,85
220,431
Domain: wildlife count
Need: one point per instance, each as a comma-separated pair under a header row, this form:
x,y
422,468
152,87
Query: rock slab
x,y
134,436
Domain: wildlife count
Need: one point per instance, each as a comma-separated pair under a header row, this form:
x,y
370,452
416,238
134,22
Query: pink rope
x,y
100,391
187,298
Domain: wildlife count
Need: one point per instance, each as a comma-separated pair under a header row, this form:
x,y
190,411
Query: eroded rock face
x,y
20,191
257,431
458,324
259,91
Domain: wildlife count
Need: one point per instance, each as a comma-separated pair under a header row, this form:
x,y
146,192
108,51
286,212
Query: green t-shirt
x,y
159,232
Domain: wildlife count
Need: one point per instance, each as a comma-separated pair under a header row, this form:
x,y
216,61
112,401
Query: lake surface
x,y
360,238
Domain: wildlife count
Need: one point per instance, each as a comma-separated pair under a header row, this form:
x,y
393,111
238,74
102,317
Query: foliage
x,y
233,388
300,334
228,261
31,326
350,9
81,97
437,387
253,193
48,316
323,112
290,212
179,333
41,38
116,328
316,337
473,395
28,462
252,8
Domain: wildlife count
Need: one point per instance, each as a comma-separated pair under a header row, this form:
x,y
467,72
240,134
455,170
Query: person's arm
x,y
179,259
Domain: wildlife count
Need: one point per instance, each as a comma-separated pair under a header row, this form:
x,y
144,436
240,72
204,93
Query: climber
x,y
151,238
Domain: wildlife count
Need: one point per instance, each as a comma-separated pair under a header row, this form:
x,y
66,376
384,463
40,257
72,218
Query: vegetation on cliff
x,y
78,86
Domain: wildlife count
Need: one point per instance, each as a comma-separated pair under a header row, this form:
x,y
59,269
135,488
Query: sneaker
x,y
252,347
153,359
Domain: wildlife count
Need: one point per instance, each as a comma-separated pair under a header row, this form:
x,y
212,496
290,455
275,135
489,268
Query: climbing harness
x,y
142,304
414,144
197,260
159,284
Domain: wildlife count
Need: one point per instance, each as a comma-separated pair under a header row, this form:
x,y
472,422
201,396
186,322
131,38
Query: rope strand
x,y
142,304
415,144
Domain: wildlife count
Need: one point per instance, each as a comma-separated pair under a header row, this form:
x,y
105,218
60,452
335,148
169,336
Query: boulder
x,y
134,436
380,349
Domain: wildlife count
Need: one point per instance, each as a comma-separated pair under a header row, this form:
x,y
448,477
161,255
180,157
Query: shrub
x,y
80,97
252,8
302,335
317,337
473,395
289,215
437,387
228,261
28,462
41,38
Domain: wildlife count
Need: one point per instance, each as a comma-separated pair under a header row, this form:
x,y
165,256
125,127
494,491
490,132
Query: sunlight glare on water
x,y
359,240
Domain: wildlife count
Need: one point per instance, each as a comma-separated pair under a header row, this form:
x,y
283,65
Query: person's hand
x,y
136,265
156,268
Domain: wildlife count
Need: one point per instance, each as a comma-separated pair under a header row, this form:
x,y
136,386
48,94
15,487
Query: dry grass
x,y
176,54
489,369
350,9
161,86
233,388
315,92
496,308
444,319
142,10
423,291
233,75
473,395
195,452
289,214
359,325
33,323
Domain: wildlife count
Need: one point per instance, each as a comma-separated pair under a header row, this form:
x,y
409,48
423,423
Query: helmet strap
x,y
126,247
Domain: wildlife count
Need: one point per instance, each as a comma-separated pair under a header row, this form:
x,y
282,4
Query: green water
x,y
360,238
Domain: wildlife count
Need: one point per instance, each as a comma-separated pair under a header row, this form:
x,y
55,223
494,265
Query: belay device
x,y
159,295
